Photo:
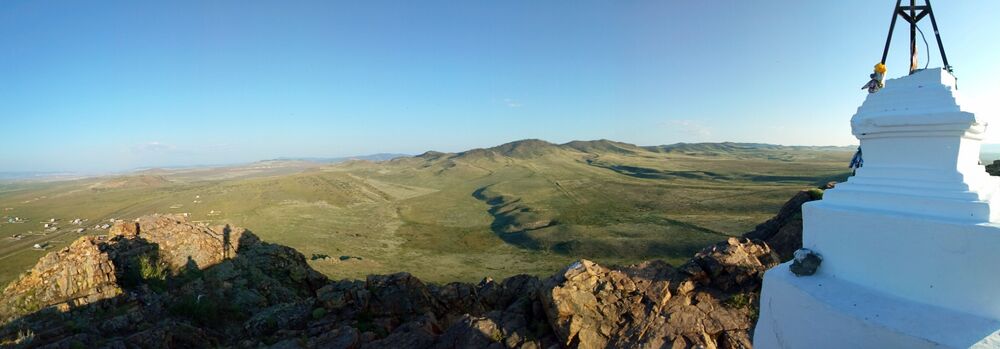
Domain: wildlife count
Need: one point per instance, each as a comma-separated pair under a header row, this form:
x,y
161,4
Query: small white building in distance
x,y
910,245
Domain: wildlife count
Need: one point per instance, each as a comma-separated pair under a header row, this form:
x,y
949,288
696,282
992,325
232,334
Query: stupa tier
x,y
909,245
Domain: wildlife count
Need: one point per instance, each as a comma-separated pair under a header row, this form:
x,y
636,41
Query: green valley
x,y
523,207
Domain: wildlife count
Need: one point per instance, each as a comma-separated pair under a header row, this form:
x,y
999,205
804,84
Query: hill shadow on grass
x,y
519,225
652,173
512,219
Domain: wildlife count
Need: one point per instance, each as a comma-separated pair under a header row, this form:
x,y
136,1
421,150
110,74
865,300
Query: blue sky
x,y
101,86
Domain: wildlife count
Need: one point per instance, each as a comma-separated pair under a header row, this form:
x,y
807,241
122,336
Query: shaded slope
x,y
604,146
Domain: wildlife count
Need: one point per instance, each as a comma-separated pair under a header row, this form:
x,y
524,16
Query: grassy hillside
x,y
521,207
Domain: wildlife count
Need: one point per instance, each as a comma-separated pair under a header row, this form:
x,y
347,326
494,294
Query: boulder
x,y
736,265
419,333
182,245
344,337
399,295
171,334
276,317
591,306
471,332
80,274
994,168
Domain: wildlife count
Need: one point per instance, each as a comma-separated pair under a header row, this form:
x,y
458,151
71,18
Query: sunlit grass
x,y
421,215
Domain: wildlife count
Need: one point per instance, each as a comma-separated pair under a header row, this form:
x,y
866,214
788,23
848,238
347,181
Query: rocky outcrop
x,y
96,268
994,168
783,232
654,305
182,244
74,276
165,275
163,282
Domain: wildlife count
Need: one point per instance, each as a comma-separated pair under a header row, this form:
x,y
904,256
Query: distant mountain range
x,y
20,175
371,157
517,149
523,207
531,148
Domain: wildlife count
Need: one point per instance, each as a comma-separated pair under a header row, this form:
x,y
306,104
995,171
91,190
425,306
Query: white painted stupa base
x,y
910,245
950,263
821,311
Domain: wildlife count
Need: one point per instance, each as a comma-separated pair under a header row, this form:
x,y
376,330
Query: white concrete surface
x,y
921,152
910,245
824,312
947,263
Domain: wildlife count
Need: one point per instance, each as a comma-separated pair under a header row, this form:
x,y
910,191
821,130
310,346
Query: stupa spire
x,y
912,14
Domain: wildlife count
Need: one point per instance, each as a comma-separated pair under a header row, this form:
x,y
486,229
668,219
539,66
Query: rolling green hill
x,y
522,207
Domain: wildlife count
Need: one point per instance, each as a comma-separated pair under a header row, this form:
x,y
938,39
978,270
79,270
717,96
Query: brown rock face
x,y
182,244
654,305
93,268
123,228
80,274
783,232
161,282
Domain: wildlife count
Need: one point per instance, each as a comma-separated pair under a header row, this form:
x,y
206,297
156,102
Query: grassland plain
x,y
522,207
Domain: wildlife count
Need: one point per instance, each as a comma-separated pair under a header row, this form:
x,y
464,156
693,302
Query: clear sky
x,y
101,86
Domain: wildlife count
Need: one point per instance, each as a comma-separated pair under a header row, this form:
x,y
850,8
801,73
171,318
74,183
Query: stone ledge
x,y
824,312
935,261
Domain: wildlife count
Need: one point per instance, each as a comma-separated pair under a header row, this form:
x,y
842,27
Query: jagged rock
x,y
497,329
471,332
182,245
420,333
590,306
783,232
244,277
501,295
171,334
281,316
339,294
994,168
344,337
125,229
80,274
277,273
399,295
736,265
458,298
291,343
806,262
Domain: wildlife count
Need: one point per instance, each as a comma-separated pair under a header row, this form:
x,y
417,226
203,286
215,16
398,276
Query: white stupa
x,y
910,244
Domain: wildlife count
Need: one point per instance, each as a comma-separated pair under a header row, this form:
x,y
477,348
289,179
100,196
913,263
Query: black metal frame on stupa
x,y
913,14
